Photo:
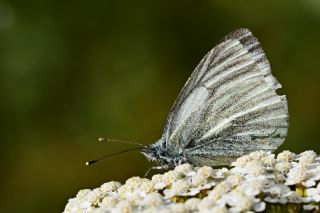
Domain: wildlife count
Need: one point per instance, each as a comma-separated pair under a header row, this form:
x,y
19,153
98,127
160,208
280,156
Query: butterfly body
x,y
227,108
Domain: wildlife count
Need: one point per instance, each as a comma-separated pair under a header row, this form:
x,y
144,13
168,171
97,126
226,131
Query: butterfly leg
x,y
153,168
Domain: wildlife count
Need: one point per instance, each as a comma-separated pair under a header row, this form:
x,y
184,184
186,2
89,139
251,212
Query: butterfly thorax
x,y
159,154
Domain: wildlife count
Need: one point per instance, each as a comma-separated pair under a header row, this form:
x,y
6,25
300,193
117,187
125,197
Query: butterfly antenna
x,y
88,163
120,141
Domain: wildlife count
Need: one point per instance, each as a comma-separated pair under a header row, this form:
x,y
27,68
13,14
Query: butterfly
x,y
228,108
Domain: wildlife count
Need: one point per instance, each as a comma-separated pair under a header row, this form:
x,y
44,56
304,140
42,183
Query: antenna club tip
x,y
102,139
88,163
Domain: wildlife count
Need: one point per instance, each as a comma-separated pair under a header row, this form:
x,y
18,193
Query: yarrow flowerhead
x,y
253,182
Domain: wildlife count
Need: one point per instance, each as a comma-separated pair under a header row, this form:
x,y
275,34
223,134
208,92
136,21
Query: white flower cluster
x,y
253,183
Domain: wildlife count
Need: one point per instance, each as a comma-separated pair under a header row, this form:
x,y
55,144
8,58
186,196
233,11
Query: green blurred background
x,y
72,71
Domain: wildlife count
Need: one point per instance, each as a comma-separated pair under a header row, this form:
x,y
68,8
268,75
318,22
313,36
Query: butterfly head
x,y
151,153
159,154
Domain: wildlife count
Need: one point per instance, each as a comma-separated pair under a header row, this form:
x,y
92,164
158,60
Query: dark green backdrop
x,y
71,71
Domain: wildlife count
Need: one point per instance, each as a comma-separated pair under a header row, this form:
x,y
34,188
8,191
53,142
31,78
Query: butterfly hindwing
x,y
229,105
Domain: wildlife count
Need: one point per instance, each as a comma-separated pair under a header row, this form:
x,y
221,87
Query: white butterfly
x,y
227,108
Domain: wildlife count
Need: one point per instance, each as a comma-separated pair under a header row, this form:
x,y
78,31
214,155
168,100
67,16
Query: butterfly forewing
x,y
229,105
